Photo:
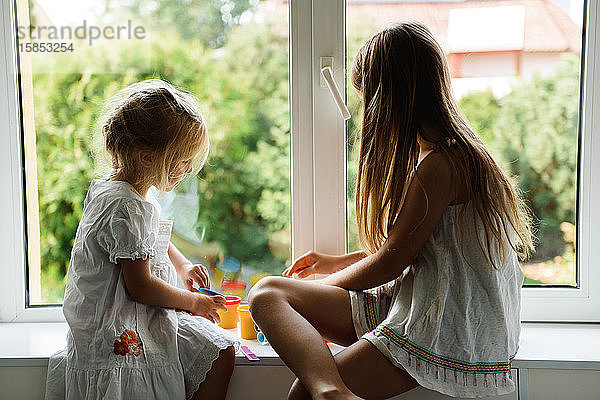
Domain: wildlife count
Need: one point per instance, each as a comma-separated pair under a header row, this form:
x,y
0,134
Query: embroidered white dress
x,y
118,348
450,321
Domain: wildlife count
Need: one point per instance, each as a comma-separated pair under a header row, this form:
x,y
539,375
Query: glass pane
x,y
234,217
515,74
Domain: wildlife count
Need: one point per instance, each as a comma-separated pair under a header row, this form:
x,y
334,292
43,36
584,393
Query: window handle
x,y
327,74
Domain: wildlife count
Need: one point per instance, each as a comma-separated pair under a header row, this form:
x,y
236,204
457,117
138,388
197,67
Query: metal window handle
x,y
327,74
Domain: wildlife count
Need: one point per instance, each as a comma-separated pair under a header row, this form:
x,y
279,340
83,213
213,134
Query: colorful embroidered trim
x,y
370,309
445,362
128,344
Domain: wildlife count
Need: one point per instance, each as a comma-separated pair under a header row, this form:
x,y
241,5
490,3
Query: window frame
x,y
317,29
580,304
12,244
13,289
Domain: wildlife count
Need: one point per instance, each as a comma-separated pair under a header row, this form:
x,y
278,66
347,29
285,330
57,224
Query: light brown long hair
x,y
153,115
402,75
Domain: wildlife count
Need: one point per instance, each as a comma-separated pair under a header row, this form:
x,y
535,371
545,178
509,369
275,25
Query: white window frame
x,y
317,29
580,304
12,221
318,131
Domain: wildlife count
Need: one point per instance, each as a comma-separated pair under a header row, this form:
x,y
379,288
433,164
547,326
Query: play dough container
x,y
229,319
247,330
234,288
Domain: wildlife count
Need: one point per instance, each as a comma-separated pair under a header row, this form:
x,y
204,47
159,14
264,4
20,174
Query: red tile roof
x,y
547,27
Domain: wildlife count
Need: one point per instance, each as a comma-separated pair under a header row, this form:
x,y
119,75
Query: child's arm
x,y
145,288
188,272
317,263
427,197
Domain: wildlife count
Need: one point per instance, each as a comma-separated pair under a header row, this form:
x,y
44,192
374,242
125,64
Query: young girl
x,y
125,339
435,296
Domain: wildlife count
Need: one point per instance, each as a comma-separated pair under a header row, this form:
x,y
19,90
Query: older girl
x,y
435,296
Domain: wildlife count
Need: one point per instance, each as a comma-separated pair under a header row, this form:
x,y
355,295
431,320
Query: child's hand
x,y
207,306
313,263
194,273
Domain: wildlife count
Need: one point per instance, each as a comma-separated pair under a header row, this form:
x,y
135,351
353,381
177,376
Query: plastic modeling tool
x,y
249,354
261,338
210,292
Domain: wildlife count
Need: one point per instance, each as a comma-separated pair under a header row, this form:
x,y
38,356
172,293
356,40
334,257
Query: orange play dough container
x,y
229,319
247,330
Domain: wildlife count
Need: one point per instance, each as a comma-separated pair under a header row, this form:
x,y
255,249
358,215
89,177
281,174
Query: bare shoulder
x,y
435,171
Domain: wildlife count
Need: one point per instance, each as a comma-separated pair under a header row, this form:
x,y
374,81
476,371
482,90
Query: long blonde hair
x,y
153,115
402,75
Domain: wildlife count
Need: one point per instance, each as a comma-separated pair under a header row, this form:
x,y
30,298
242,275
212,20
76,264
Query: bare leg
x,y
294,315
217,380
367,372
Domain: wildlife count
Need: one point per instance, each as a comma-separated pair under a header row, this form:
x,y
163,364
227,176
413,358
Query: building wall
x,y
499,71
479,65
543,64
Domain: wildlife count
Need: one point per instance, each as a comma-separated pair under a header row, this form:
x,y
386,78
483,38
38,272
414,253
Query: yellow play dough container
x,y
229,319
247,330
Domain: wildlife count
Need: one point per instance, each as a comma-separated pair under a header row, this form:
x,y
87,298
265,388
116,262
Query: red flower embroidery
x,y
128,337
128,344
135,348
120,348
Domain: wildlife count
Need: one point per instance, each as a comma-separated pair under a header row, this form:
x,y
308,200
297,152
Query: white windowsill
x,y
559,346
32,343
555,346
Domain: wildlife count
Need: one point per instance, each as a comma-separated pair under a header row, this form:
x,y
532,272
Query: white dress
x,y
450,320
118,348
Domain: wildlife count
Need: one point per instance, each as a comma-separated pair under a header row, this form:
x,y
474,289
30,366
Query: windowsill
x,y
31,344
554,346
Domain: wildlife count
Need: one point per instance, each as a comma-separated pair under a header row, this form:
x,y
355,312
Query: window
x,y
235,216
248,101
515,74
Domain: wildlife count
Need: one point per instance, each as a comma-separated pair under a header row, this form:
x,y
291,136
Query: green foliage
x,y
532,132
64,161
208,21
244,188
358,34
482,109
529,281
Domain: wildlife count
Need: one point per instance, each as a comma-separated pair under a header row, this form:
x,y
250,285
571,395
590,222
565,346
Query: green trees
x,y
244,189
242,85
532,132
206,21
66,107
